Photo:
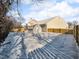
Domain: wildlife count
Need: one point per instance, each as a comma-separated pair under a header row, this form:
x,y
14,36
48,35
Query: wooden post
x,y
76,33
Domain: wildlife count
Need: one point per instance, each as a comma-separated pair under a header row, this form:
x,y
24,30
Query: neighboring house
x,y
52,23
31,23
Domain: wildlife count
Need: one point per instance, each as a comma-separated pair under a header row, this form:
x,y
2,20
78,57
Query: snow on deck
x,y
40,46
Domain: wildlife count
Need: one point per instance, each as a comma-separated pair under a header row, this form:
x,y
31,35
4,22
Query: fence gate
x,y
76,33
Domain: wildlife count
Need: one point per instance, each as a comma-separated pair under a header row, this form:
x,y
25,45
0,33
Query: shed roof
x,y
47,20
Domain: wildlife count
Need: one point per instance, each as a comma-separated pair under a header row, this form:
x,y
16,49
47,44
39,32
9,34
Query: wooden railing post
x,y
76,33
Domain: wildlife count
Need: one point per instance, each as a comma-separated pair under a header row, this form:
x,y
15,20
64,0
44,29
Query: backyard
x,y
26,45
39,29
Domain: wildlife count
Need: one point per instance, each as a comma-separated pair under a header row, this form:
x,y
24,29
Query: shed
x,y
53,23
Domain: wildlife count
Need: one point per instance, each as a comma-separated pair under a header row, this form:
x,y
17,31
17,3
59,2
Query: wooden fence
x,y
69,31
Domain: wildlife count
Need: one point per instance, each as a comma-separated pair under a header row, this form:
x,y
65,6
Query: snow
x,y
39,46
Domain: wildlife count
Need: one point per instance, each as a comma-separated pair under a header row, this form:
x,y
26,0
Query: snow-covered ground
x,y
39,46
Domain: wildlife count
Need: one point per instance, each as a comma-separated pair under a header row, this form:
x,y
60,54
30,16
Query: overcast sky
x,y
68,9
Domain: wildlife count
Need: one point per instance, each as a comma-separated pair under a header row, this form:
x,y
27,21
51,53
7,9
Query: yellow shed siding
x,y
57,22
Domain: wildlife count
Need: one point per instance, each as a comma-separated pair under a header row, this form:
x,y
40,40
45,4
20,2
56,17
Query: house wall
x,y
57,23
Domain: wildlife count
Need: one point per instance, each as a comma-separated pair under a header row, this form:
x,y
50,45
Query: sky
x,y
67,9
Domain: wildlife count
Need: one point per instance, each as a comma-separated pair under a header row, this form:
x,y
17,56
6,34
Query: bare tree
x,y
4,22
75,22
70,25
